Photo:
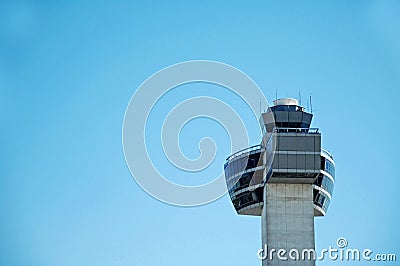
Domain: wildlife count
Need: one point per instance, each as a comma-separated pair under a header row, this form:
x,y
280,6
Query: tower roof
x,y
286,101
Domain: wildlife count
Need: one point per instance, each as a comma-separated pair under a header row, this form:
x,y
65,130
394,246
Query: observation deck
x,y
244,175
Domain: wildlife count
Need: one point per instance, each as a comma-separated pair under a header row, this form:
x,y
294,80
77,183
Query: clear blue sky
x,y
68,70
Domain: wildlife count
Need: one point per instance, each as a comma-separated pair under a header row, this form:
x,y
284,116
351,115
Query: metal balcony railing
x,y
244,151
327,153
296,130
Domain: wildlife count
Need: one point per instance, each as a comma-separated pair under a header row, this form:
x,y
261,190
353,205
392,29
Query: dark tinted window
x,y
330,168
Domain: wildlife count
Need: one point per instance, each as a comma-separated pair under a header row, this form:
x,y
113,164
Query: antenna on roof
x,y
311,103
300,98
276,94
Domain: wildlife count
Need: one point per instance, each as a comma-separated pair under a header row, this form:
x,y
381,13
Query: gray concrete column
x,y
287,222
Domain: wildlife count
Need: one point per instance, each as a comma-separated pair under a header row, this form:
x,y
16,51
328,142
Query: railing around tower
x,y
327,153
296,130
244,151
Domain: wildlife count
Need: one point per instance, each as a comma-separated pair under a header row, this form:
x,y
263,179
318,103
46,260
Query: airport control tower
x,y
287,180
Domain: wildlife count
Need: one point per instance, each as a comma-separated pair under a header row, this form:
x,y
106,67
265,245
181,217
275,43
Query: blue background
x,y
68,70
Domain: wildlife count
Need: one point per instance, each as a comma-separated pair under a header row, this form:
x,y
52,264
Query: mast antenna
x,y
299,98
